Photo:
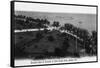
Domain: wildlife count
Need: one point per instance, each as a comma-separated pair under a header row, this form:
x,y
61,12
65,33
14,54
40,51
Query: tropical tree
x,y
94,36
56,24
82,33
94,42
75,30
46,22
39,25
68,27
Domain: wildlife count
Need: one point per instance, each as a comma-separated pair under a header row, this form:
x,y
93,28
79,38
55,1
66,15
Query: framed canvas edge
x,y
12,32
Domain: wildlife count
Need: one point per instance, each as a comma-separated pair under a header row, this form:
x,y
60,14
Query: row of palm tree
x,y
23,22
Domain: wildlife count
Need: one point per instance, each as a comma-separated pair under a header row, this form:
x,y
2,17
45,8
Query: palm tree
x,y
68,27
55,24
94,42
94,35
39,25
46,22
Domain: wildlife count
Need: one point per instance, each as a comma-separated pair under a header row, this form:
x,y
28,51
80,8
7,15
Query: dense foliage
x,y
86,41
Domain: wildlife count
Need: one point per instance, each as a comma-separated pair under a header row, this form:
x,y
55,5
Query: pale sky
x,y
23,6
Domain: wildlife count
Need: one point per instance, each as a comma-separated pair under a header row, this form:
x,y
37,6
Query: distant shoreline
x,y
88,20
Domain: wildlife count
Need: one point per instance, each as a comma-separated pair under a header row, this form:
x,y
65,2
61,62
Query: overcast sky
x,y
22,6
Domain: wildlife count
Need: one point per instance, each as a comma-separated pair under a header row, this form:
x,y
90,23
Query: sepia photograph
x,y
51,33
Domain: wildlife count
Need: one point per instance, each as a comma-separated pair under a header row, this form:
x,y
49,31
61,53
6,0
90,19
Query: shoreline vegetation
x,y
39,39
